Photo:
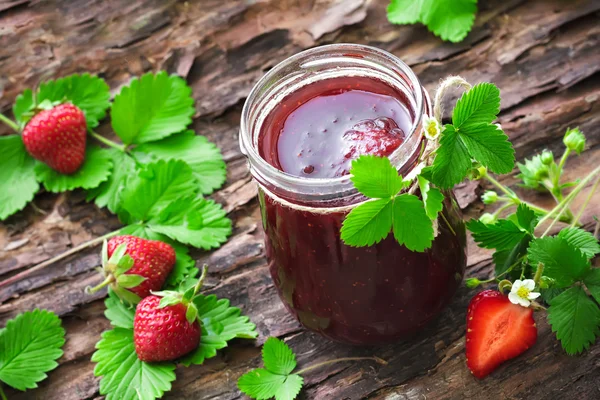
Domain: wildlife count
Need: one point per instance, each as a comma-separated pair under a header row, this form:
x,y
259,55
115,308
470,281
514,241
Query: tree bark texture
x,y
543,54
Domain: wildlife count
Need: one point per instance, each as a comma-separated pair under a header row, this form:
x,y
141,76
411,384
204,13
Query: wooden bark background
x,y
543,54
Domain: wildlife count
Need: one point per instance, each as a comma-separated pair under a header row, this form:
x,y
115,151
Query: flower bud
x,y
489,197
574,140
472,283
488,218
547,157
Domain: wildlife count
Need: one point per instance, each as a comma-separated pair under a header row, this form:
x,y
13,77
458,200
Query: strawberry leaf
x,y
95,169
119,313
90,93
108,193
198,222
220,324
575,318
124,376
155,188
203,157
162,198
17,176
278,357
152,107
30,344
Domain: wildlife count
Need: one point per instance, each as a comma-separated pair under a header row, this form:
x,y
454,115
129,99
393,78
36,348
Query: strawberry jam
x,y
319,130
300,146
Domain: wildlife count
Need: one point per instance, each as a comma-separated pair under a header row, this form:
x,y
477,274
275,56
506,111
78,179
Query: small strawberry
x,y
497,330
133,267
57,137
166,325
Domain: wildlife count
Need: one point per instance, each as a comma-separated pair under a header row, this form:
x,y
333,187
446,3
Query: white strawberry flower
x,y
522,292
431,127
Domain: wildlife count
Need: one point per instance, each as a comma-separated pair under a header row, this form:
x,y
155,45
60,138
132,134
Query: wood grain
x,y
544,56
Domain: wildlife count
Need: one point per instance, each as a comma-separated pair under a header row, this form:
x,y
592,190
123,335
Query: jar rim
x,y
303,59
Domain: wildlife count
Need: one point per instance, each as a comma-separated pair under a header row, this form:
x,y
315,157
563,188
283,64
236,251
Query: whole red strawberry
x,y
57,137
166,325
162,334
133,267
497,330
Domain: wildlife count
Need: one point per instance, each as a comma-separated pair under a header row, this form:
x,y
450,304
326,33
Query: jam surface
x,y
365,295
318,130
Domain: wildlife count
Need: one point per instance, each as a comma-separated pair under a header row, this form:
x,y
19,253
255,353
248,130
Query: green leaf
x,y
412,226
452,160
503,235
203,157
562,262
231,324
95,169
575,318
432,198
184,264
129,281
290,388
504,259
368,223
151,108
124,376
489,145
17,177
260,384
278,357
592,282
198,222
551,293
22,109
30,344
479,105
449,19
108,193
90,93
375,177
582,240
526,218
119,313
156,187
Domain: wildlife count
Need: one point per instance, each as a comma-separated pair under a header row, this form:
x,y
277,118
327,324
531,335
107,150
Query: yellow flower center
x,y
523,292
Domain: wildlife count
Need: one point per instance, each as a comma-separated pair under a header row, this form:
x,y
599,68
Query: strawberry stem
x,y
201,280
91,290
110,143
337,360
2,395
10,123
59,257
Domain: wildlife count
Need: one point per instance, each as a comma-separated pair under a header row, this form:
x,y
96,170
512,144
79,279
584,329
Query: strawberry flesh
x,y
163,334
57,137
497,330
152,259
379,137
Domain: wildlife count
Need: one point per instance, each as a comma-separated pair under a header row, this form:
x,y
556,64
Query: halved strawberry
x,y
497,330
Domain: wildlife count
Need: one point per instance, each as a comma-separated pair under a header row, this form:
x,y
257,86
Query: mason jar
x,y
359,295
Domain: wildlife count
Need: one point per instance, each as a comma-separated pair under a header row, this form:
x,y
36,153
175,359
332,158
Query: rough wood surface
x,y
543,54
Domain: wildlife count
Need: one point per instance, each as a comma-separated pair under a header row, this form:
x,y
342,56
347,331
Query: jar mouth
x,y
316,64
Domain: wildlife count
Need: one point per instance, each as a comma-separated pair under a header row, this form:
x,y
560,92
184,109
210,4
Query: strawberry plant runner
x,y
528,70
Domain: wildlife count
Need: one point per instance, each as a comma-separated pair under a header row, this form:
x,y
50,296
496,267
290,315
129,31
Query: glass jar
x,y
364,295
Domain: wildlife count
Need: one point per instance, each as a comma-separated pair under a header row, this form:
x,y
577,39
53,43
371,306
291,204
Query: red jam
x,y
317,131
364,295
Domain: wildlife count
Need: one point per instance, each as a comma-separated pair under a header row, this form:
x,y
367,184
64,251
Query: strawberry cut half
x,y
497,330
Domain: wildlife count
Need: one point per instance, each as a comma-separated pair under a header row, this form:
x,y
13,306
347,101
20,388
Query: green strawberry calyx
x,y
114,270
170,298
